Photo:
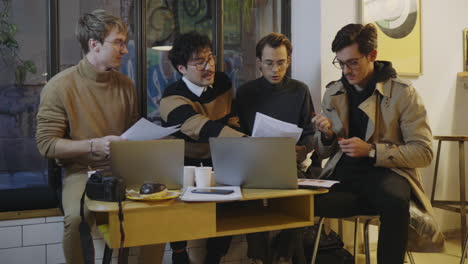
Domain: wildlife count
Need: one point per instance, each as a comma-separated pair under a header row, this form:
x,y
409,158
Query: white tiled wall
x,y
39,241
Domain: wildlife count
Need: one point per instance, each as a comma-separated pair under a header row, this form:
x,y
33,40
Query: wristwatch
x,y
372,151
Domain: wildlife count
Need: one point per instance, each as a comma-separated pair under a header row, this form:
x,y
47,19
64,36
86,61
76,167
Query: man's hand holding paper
x,y
266,126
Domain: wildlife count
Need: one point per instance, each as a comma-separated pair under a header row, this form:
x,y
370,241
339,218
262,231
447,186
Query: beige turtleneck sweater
x,y
82,103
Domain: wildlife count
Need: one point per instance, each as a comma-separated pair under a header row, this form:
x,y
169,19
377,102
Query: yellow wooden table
x,y
148,223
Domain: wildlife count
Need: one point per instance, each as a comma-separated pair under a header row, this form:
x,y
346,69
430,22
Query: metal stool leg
x,y
356,226
461,165
106,259
463,257
436,171
366,241
410,257
317,240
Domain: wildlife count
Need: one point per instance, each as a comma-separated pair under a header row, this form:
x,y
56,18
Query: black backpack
x,y
330,249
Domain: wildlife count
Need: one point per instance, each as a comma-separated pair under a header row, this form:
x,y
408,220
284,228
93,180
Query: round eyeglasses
x,y
117,43
201,63
269,64
351,63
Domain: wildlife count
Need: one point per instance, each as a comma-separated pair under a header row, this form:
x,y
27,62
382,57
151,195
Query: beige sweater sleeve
x,y
51,120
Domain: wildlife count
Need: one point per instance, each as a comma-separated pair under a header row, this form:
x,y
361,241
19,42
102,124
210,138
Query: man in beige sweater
x,y
82,110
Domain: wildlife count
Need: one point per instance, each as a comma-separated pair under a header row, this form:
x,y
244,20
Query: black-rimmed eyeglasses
x,y
351,63
200,64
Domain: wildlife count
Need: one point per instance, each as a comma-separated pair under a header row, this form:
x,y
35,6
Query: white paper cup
x,y
203,176
189,176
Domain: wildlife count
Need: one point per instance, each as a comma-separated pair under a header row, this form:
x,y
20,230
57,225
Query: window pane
x,y
245,22
166,19
71,10
127,13
23,50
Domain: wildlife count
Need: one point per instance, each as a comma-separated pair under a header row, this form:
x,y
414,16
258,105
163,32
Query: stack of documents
x,y
265,126
189,196
315,183
145,130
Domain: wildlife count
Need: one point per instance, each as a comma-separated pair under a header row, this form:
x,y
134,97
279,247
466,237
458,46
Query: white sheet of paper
x,y
189,196
316,183
143,129
266,126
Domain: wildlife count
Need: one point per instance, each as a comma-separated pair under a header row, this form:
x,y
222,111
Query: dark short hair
x,y
185,45
364,35
97,25
273,40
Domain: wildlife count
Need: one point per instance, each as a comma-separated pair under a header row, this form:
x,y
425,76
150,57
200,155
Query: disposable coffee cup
x,y
189,176
203,176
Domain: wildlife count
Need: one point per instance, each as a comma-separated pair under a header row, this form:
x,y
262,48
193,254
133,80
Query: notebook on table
x,y
263,163
138,162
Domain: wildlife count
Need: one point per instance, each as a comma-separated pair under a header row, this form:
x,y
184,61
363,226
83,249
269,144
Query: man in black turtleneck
x,y
374,130
286,99
275,94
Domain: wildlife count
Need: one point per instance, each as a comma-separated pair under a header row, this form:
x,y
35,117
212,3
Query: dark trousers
x,y
216,248
287,244
379,191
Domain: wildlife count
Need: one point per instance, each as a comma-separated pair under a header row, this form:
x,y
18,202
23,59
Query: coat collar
x,y
339,100
384,88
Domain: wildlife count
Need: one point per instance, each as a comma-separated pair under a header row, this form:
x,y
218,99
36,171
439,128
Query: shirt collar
x,y
195,89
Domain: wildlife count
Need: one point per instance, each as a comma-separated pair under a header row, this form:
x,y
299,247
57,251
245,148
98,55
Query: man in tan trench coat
x,y
374,131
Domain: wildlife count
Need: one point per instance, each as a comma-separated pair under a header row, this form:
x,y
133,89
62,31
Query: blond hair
x,y
97,25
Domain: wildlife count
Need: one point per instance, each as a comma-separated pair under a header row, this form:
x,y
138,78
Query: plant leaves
x,y
13,29
30,66
11,43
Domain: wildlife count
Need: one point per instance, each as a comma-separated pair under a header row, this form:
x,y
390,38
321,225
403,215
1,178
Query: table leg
x,y
461,149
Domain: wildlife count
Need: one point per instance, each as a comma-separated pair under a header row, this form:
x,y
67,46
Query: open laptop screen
x,y
268,163
138,162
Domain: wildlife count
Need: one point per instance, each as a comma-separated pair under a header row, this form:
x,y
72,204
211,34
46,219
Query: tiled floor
x,y
451,255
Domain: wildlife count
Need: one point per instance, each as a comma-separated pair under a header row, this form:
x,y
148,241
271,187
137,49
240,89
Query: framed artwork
x,y
398,25
465,49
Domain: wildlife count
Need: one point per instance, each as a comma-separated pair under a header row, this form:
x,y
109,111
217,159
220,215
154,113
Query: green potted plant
x,y
9,47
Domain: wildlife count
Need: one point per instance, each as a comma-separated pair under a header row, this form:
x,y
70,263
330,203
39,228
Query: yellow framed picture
x,y
465,49
398,25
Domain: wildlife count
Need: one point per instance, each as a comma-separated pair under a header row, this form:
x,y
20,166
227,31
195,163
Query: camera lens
x,y
95,177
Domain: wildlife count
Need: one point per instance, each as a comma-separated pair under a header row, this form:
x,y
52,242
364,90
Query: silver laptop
x,y
264,163
138,162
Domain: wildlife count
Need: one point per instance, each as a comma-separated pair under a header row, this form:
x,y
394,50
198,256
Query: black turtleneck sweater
x,y
288,101
358,120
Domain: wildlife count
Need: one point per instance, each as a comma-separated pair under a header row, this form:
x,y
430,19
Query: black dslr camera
x,y
105,188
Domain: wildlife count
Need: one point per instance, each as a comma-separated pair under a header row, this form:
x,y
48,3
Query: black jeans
x,y
216,248
379,191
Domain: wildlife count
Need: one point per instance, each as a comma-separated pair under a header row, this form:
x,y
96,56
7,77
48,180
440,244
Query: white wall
x,y
335,14
305,38
442,56
442,44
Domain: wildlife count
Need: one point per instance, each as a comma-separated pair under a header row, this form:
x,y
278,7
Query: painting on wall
x,y
398,25
465,49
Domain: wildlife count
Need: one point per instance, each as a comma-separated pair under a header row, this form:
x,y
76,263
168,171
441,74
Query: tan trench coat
x,y
397,125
